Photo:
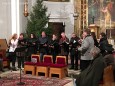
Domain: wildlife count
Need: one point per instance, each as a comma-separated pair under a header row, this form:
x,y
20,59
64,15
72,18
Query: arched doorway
x,y
57,27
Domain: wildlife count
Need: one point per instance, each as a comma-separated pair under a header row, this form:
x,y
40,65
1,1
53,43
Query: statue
x,y
93,19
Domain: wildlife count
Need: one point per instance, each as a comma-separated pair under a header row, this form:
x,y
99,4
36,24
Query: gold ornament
x,y
26,8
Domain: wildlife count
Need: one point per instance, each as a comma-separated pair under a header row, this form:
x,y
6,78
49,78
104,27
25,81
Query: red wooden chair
x,y
30,66
59,68
44,67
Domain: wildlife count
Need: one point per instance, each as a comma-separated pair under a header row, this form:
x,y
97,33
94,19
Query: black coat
x,y
43,41
55,45
20,50
64,46
96,42
102,43
92,74
74,43
32,46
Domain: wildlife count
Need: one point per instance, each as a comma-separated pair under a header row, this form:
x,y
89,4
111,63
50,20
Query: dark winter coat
x,y
92,74
55,45
32,48
64,46
43,41
74,43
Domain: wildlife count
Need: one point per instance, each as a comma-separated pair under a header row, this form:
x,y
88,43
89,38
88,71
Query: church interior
x,y
33,17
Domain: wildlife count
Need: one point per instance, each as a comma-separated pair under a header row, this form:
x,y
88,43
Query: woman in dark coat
x,y
102,43
21,50
54,47
32,46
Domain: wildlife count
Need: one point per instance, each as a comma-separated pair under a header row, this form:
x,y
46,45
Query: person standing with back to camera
x,y
12,47
86,45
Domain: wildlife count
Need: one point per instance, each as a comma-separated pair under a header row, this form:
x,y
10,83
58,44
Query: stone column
x,y
77,23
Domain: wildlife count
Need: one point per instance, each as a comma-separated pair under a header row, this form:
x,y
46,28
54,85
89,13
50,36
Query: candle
x,y
63,23
110,23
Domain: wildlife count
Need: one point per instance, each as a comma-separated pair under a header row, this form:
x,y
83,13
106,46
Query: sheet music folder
x,y
20,49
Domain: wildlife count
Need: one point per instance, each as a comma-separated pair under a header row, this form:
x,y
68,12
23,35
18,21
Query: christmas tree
x,y
38,20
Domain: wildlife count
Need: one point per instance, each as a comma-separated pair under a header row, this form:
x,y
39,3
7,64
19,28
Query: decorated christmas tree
x,y
38,20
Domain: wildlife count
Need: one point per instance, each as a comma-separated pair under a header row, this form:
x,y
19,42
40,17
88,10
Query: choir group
x,y
21,47
76,48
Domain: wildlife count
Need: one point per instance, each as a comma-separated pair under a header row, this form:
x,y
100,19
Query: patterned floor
x,y
70,72
11,79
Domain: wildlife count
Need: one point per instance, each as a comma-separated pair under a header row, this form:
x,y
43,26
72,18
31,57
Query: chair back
x,y
47,59
114,54
61,60
1,54
108,75
35,58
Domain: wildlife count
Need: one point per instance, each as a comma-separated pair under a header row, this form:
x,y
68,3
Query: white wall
x,y
61,12
5,19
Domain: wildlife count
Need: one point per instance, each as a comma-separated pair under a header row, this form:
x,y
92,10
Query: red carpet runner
x,y
13,78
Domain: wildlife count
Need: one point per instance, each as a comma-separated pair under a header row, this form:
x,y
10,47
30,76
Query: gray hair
x,y
95,50
88,31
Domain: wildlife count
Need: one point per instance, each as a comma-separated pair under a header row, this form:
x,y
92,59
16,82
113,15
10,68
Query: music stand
x,y
20,49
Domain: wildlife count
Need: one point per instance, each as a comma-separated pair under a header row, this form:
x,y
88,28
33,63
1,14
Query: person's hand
x,y
45,45
33,43
78,46
70,45
22,42
80,41
52,46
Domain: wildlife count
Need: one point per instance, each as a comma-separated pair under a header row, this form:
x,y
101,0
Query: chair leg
x,y
46,74
24,71
50,75
33,73
60,76
36,73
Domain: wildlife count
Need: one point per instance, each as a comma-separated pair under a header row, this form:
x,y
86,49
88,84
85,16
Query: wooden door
x,y
57,28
